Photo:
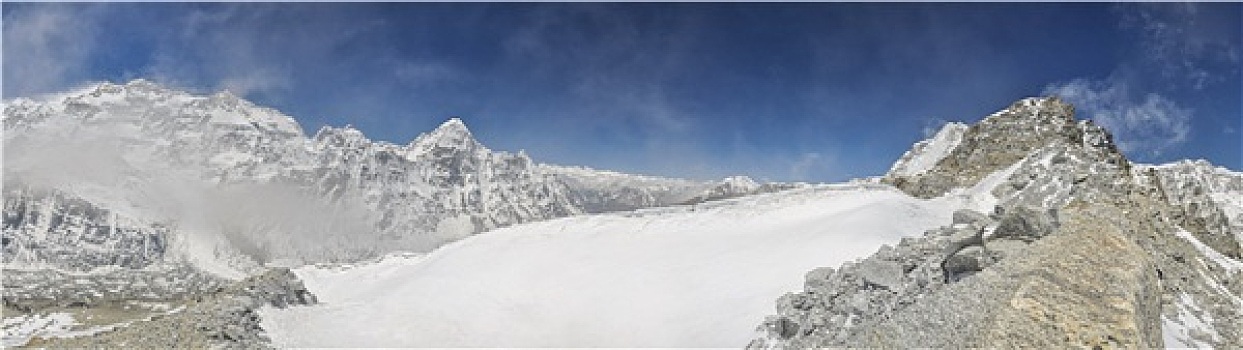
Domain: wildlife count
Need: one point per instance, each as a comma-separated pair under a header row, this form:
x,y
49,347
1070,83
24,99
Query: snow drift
x,y
691,276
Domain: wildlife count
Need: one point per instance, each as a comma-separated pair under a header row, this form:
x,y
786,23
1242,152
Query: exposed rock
x,y
971,217
881,273
1086,286
225,318
1026,224
998,141
1082,250
966,262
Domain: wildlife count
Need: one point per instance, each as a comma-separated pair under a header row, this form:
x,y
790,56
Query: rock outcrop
x,y
1080,249
225,318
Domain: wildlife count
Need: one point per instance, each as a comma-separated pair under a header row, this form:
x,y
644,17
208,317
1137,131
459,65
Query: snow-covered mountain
x,y
1187,181
1029,228
135,174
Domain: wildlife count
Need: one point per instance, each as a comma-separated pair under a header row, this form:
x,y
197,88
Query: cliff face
x,y
140,174
1074,247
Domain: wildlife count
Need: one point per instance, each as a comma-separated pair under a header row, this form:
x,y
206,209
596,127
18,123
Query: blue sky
x,y
811,92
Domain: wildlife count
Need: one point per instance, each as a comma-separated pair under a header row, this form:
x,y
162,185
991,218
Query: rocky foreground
x,y
224,317
1081,249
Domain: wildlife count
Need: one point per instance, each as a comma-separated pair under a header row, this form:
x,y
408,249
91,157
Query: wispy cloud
x,y
616,67
1147,123
1176,42
1183,44
46,47
218,48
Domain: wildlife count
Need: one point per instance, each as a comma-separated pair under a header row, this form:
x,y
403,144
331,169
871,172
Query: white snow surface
x,y
925,154
20,329
1177,333
690,276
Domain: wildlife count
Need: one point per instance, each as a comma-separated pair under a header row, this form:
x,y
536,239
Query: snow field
x,y
671,277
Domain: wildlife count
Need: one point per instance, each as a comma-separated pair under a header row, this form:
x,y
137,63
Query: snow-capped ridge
x,y
1036,108
741,183
442,186
925,154
451,135
1002,139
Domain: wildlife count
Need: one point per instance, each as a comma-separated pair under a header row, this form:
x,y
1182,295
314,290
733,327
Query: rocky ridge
x,y
1080,249
150,164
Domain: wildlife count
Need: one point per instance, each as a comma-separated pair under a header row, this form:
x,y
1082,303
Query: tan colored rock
x,y
1086,286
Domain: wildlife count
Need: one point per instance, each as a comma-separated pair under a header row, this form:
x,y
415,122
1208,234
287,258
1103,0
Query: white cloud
x,y
221,49
1148,124
1182,41
46,47
1180,46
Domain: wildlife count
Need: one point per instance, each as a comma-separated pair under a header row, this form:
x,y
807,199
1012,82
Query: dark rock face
x,y
38,224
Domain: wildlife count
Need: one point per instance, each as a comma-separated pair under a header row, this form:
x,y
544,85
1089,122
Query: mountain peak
x,y
140,86
454,127
450,134
1000,140
1046,109
142,83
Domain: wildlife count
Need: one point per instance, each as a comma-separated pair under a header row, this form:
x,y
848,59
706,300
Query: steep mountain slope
x,y
690,276
1190,183
1078,248
925,154
126,169
111,184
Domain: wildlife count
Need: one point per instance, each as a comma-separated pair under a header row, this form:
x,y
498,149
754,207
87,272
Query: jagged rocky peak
x,y
452,132
109,92
1042,110
152,106
452,135
1000,140
343,137
1070,226
1215,178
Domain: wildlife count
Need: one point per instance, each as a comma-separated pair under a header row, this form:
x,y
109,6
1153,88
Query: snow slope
x,y
925,154
690,276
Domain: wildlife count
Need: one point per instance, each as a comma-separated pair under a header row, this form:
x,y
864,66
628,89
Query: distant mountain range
x,y
1037,231
119,175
